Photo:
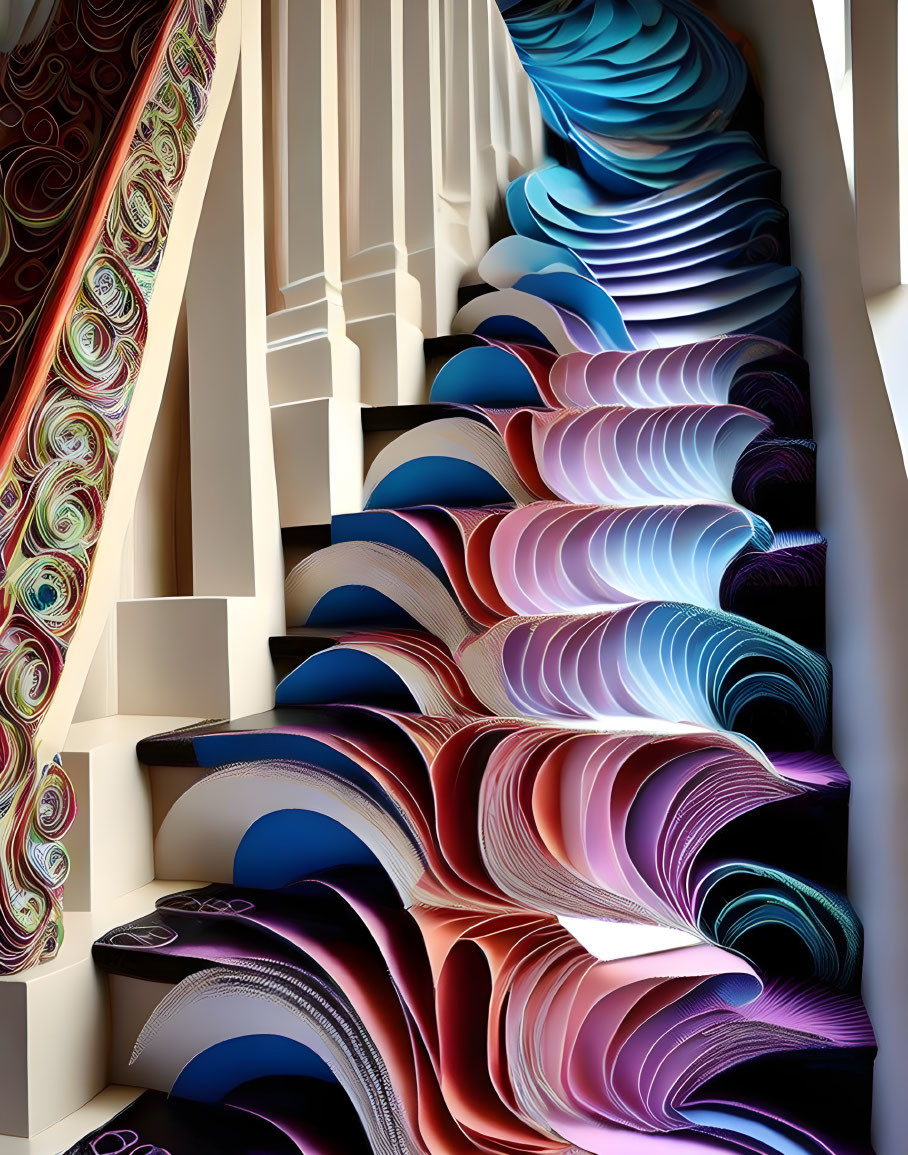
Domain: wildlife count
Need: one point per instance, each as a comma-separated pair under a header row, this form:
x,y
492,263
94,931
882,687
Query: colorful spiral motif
x,y
70,94
63,89
543,847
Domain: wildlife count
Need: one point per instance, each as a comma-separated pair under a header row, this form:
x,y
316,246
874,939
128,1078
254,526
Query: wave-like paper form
x,y
660,659
490,813
394,1035
552,557
620,455
637,302
645,91
725,219
751,372
543,847
92,176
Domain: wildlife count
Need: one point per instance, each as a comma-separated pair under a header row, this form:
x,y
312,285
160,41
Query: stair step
x,y
301,642
56,1015
306,537
399,418
439,350
110,842
191,931
64,1136
180,1127
175,748
153,965
467,293
449,345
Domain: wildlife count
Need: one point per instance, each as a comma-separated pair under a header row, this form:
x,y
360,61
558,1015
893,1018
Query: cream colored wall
x,y
863,496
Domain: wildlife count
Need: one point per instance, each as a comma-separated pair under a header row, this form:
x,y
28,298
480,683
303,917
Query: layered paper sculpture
x,y
543,846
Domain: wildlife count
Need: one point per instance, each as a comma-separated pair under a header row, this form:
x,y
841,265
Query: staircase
x,y
550,758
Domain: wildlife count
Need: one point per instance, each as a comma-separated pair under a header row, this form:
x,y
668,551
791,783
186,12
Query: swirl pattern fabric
x,y
543,848
120,117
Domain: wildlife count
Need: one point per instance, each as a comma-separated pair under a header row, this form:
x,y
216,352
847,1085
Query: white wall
x,y
863,498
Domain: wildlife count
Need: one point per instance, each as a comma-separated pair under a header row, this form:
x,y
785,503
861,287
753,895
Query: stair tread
x,y
392,418
302,642
176,748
